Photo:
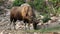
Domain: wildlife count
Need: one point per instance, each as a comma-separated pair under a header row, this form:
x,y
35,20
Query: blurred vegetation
x,y
1,2
18,2
44,6
44,30
46,19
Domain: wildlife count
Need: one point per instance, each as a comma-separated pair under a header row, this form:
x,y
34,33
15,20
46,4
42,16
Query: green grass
x,y
54,29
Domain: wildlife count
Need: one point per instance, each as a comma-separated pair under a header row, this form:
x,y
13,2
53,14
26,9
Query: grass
x,y
54,29
43,31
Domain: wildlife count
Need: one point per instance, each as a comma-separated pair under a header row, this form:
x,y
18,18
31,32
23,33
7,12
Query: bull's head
x,y
35,22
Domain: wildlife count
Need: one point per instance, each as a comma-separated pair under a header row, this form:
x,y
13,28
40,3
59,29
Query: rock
x,y
51,15
35,33
51,33
54,19
49,22
41,16
19,25
11,0
4,32
31,27
2,7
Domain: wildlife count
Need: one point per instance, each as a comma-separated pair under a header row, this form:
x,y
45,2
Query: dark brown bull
x,y
24,13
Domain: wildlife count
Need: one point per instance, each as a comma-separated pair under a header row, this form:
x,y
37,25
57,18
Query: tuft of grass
x,y
54,29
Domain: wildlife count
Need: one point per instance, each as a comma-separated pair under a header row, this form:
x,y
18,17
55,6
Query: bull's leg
x,y
14,26
25,26
29,26
11,19
14,23
35,26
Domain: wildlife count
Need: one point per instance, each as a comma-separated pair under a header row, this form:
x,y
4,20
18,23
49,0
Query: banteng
x,y
25,13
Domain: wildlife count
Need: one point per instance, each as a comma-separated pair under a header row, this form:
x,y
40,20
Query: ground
x,y
47,29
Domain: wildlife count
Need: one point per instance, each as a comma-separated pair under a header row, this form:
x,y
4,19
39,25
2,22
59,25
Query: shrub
x,y
18,2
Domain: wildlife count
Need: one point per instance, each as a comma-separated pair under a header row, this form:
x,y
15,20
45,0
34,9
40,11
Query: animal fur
x,y
25,13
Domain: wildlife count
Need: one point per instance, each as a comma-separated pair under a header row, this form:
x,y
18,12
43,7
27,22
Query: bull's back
x,y
14,12
24,11
27,11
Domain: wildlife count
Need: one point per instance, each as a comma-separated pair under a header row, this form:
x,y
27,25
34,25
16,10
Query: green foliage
x,y
55,4
44,30
18,2
41,6
46,18
37,4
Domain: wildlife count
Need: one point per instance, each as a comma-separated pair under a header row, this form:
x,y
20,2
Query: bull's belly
x,y
19,19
